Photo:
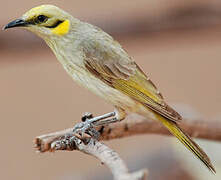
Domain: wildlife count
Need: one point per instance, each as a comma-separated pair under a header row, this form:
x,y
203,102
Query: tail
x,y
187,142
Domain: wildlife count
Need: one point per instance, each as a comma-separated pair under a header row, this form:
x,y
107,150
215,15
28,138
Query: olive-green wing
x,y
114,67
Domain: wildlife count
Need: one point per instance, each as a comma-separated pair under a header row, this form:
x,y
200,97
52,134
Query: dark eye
x,y
42,18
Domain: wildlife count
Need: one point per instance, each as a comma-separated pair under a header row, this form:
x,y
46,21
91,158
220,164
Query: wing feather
x,y
113,66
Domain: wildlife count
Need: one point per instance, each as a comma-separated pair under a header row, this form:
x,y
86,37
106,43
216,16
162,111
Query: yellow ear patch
x,y
62,28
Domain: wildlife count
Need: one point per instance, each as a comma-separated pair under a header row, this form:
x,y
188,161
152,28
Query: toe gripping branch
x,y
82,132
86,128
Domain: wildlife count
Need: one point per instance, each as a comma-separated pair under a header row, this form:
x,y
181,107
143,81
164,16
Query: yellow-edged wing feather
x,y
143,90
114,67
109,62
128,78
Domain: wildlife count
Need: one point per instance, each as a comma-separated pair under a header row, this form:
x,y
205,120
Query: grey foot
x,y
88,124
86,127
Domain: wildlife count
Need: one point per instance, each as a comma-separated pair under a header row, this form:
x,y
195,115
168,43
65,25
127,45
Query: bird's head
x,y
45,21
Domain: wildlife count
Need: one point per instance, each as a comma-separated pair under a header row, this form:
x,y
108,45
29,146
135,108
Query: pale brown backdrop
x,y
177,44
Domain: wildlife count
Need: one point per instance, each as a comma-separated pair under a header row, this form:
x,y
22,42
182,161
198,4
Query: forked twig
x,y
132,125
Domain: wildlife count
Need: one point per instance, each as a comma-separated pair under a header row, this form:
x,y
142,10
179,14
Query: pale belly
x,y
109,94
104,91
75,69
87,80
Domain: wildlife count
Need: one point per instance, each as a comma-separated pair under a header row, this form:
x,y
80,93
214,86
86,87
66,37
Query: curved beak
x,y
16,23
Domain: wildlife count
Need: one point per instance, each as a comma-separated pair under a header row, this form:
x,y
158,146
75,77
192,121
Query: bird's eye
x,y
42,18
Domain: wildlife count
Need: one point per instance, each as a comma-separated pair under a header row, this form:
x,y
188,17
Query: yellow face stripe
x,y
62,28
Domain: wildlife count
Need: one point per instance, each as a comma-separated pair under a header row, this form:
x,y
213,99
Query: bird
x,y
95,60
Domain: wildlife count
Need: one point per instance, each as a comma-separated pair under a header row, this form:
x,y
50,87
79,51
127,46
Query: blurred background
x,y
177,43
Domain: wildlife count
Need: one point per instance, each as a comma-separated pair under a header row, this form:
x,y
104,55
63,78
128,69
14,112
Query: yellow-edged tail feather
x,y
187,141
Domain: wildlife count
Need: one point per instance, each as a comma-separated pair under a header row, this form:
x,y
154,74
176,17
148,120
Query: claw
x,y
87,115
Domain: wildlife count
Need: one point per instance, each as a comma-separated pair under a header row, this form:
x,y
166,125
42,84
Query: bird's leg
x,y
89,122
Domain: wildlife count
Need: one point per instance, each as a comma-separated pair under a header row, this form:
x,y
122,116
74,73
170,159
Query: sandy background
x,y
37,96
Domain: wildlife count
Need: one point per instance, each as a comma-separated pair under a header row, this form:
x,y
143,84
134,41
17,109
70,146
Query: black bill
x,y
16,23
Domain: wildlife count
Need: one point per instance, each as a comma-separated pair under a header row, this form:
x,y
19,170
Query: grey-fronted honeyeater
x,y
98,62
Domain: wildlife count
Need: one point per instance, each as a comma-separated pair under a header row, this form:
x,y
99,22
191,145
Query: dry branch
x,y
99,150
132,125
135,124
